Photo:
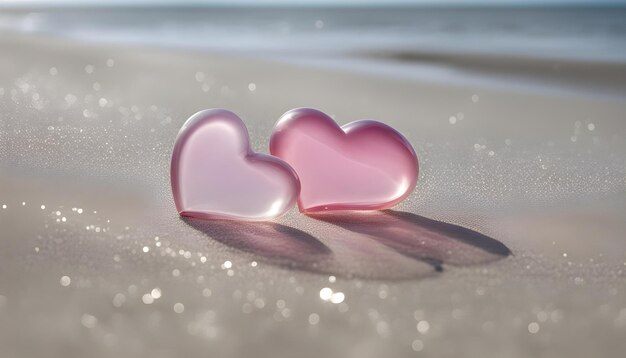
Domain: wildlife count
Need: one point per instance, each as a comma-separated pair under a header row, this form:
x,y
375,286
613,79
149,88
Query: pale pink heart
x,y
364,165
215,174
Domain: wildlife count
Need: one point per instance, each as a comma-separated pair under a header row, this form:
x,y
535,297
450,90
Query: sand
x,y
94,260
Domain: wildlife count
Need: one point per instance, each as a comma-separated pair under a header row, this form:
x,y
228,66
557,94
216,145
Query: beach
x,y
95,261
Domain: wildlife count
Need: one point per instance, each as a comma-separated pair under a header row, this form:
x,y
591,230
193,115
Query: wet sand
x,y
512,244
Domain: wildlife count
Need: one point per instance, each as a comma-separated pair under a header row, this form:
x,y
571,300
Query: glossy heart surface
x,y
363,165
215,174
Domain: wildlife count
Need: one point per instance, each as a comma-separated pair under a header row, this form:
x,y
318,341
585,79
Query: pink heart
x,y
215,174
364,165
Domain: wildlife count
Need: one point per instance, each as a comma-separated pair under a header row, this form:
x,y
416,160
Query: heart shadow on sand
x,y
431,241
279,244
388,245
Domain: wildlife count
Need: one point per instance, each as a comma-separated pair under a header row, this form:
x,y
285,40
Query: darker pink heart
x,y
363,165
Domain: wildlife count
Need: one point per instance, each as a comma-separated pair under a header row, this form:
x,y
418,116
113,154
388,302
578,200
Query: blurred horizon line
x,y
310,4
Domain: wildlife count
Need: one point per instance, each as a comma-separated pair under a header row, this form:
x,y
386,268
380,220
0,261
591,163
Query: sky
x,y
311,2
